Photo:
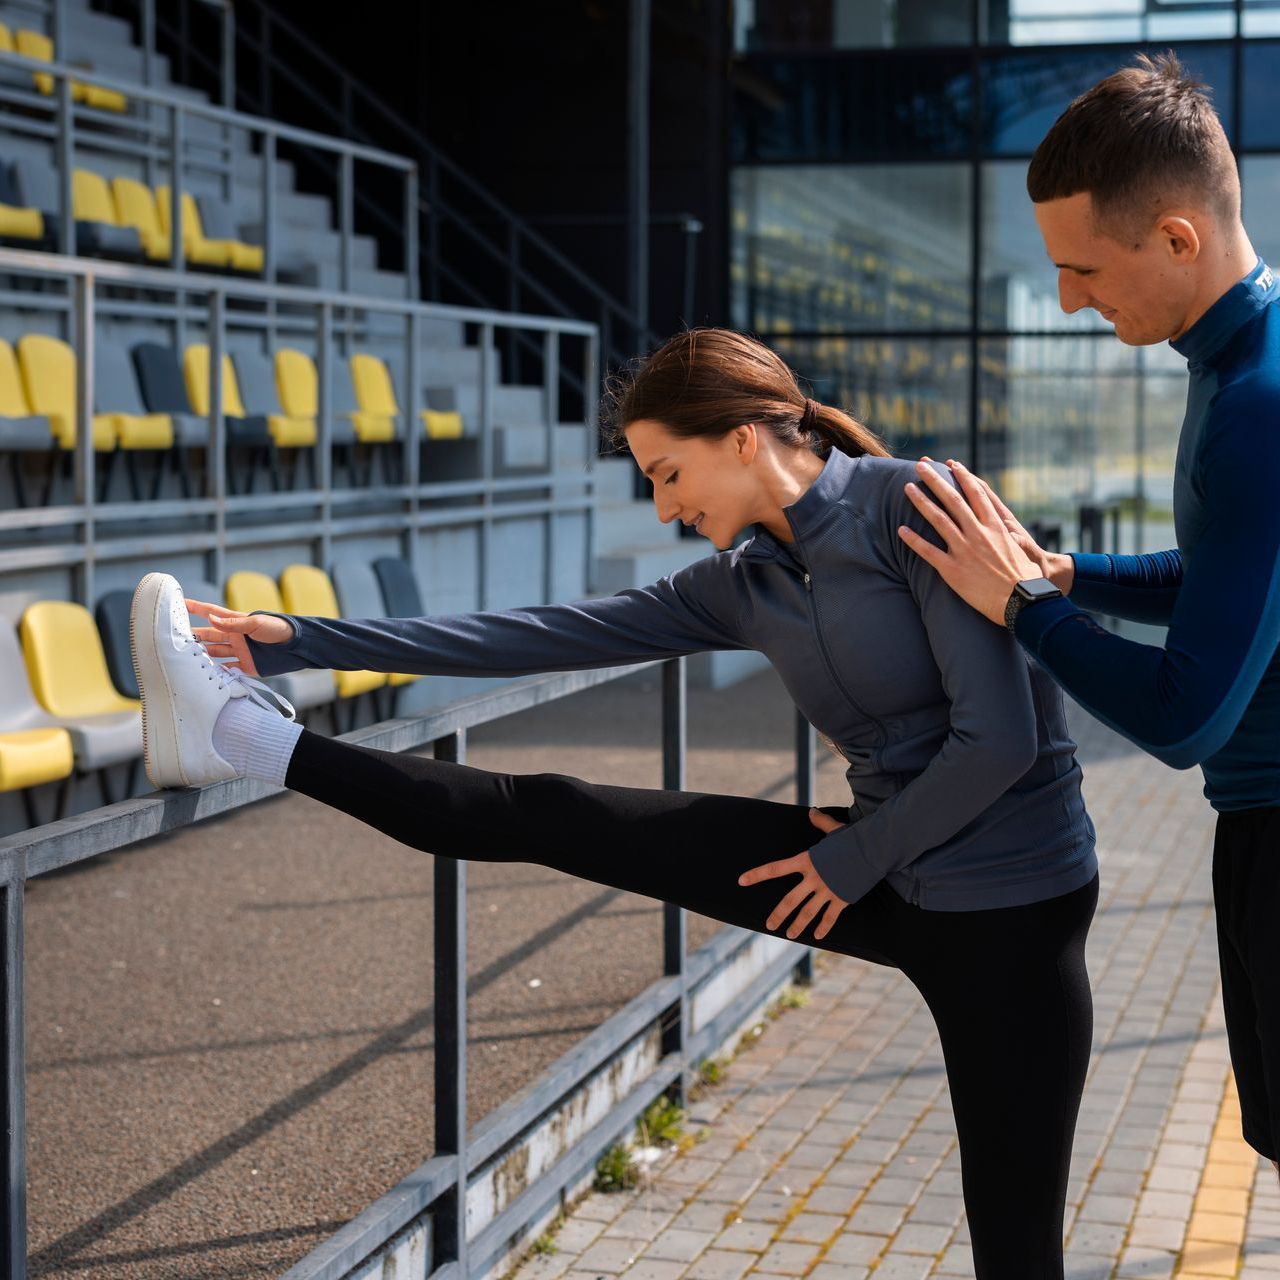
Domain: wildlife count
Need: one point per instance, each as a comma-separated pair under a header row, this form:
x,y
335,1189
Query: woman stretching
x,y
966,860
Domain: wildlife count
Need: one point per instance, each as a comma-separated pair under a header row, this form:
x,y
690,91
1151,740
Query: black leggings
x,y
1007,987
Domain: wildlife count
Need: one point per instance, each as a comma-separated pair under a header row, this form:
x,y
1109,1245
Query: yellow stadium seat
x,y
308,590
197,247
49,376
91,198
247,591
35,44
297,383
65,662
442,424
16,222
376,420
29,757
195,368
13,395
136,207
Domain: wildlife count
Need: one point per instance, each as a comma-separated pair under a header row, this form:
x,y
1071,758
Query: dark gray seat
x,y
400,594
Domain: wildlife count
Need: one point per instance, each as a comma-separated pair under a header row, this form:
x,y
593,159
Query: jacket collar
x,y
809,510
1228,315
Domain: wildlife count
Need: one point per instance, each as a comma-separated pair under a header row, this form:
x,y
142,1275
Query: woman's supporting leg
x,y
1010,994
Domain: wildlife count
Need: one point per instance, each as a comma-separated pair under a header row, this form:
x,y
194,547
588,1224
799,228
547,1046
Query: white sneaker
x,y
183,689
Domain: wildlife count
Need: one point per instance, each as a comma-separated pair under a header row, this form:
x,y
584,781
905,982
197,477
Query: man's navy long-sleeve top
x,y
966,787
1211,695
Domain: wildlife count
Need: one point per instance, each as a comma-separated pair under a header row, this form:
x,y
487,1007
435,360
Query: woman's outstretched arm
x,y
692,610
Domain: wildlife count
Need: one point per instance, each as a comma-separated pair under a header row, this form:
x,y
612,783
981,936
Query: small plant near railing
x,y
662,1123
791,998
617,1169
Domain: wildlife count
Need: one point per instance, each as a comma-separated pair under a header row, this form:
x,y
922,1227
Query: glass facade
x,y
883,242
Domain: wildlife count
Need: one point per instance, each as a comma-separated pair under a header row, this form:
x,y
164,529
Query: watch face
x,y
1038,588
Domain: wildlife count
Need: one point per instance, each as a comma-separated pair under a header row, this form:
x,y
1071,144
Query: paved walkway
x,y
831,1153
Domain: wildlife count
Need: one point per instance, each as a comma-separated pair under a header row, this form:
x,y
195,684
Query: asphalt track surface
x,y
230,1027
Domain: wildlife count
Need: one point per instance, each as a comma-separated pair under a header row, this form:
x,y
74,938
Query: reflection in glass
x,y
1029,22
1019,282
781,25
1065,423
861,106
1025,92
914,391
826,250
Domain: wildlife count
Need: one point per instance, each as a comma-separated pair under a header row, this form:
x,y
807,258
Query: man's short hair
x,y
1138,141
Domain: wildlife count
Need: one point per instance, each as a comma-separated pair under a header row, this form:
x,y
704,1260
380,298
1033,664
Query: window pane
x,y
1260,184
1066,423
1038,22
1261,18
856,107
914,392
1019,283
1024,93
778,25
829,250
1261,106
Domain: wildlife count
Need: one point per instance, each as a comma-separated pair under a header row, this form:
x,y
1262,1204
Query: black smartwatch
x,y
1027,592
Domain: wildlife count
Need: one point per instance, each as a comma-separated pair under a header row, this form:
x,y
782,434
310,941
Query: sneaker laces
x,y
227,675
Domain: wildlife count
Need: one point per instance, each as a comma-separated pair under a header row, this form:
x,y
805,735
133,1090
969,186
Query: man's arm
x,y
1141,588
1182,702
692,610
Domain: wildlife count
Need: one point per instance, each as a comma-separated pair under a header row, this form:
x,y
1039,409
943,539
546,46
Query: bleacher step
x,y
628,524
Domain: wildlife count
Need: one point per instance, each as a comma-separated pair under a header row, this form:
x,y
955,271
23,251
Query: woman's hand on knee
x,y
811,895
229,629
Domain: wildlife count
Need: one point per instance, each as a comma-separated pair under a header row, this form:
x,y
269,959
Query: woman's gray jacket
x,y
966,788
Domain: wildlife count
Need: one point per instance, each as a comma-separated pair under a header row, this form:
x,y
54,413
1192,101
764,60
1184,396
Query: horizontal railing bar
x,y
70,840
105,272
207,111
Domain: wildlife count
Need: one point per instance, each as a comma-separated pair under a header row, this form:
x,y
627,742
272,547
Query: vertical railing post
x,y
449,1225
412,269
806,777
551,416
345,214
177,143
58,29
269,206
14,1243
324,407
217,452
486,459
66,163
415,433
86,482
149,79
228,93
433,228
675,724
590,413
513,301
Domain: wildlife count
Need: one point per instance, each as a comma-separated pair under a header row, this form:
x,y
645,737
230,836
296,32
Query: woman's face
x,y
702,482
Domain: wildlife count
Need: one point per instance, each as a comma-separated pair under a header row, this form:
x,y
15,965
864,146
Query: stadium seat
x,y
34,44
20,226
116,399
258,387
199,250
378,411
247,591
298,385
441,417
360,596
21,431
136,208
67,668
246,434
98,228
49,375
400,594
164,391
308,590
219,225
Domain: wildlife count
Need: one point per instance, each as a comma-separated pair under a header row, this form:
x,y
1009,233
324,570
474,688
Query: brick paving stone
x,y
611,1256
787,1258
754,1236
678,1245
655,1269
719,1264
852,1248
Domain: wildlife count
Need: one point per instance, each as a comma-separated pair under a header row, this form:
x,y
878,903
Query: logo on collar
x,y
1266,281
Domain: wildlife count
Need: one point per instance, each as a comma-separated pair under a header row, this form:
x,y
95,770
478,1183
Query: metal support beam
x,y
449,1225
638,44
66,149
675,726
13,1244
228,95
486,458
346,197
324,408
86,484
269,206
412,269
216,465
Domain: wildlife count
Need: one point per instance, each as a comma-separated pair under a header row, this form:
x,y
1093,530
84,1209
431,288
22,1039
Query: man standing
x,y
1138,201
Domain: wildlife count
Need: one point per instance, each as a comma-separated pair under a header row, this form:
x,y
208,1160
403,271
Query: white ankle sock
x,y
255,742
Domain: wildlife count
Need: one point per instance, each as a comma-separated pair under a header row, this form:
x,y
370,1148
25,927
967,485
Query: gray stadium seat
x,y
400,594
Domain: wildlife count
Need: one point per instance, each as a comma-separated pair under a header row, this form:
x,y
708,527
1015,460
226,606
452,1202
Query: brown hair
x,y
706,382
1137,139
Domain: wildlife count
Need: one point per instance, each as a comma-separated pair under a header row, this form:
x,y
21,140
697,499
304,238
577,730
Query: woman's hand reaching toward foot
x,y
811,887
227,634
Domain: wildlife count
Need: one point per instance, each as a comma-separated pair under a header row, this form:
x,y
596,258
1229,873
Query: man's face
x,y
1145,289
